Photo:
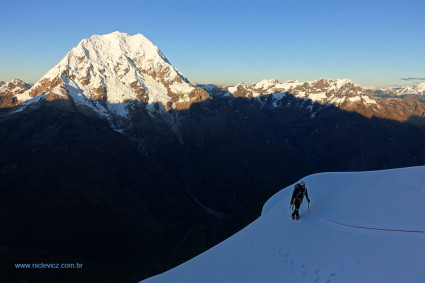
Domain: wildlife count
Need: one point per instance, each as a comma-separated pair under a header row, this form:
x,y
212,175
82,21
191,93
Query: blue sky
x,y
371,42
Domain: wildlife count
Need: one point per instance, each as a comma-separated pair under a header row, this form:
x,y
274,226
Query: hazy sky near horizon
x,y
369,41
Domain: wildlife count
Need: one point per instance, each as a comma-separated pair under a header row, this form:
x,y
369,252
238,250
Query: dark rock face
x,y
174,183
72,189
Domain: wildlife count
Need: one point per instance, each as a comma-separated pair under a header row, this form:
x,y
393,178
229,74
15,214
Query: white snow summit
x,y
114,69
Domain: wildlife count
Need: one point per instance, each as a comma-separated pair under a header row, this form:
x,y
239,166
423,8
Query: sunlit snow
x,y
275,248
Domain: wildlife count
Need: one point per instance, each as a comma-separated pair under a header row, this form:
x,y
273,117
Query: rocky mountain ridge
x,y
342,93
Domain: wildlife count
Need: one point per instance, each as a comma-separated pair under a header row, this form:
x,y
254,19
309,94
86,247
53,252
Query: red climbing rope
x,y
368,228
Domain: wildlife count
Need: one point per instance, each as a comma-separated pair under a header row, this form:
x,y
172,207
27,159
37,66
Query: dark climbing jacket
x,y
298,194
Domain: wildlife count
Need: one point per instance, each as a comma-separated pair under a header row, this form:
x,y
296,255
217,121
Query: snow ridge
x,y
275,248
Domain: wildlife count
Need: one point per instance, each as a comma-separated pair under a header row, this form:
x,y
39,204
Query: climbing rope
x,y
367,228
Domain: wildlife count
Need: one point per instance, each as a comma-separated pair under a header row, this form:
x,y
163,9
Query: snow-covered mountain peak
x,y
117,44
341,82
117,68
266,83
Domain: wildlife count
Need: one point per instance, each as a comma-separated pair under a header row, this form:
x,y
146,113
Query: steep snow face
x,y
116,68
275,248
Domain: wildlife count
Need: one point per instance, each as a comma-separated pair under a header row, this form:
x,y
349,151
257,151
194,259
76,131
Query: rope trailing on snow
x,y
367,228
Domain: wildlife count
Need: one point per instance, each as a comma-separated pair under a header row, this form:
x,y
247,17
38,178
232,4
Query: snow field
x,y
275,248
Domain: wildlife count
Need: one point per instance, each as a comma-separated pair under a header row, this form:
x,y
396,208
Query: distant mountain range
x,y
418,90
109,74
113,158
341,93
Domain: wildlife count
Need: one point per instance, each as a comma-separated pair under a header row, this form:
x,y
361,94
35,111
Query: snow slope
x,y
275,248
